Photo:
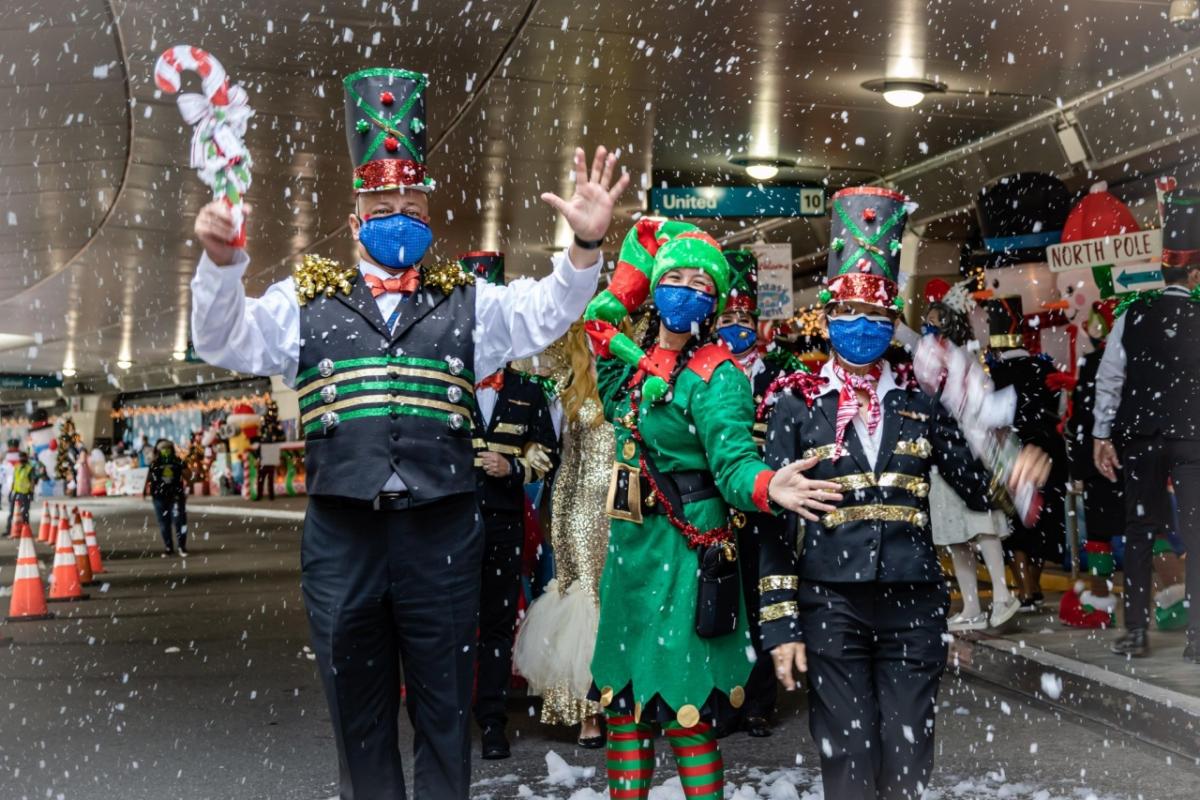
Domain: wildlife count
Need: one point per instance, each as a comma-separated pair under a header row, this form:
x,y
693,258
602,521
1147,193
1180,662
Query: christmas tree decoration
x,y
64,470
219,117
270,430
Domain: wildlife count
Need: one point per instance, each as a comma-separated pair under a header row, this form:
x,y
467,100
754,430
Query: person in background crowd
x,y
7,466
863,605
83,473
1148,412
167,487
1093,605
1036,423
557,638
145,452
517,444
955,526
25,480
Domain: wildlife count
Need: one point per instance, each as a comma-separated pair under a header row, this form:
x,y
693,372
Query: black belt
x,y
384,501
690,487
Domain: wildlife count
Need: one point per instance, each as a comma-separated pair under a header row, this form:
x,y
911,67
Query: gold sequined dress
x,y
554,648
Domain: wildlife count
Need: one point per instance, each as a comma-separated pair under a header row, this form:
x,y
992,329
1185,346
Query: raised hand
x,y
215,229
792,490
589,211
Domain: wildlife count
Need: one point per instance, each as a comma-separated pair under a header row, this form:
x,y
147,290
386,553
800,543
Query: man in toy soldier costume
x,y
517,445
1036,422
737,328
1148,411
864,600
385,355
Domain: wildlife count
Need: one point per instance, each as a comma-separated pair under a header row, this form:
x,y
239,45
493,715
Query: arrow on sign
x,y
1130,278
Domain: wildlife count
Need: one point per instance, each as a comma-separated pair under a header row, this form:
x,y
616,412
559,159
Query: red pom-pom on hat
x,y
935,290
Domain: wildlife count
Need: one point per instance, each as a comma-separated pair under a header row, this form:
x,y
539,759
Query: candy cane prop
x,y
219,117
984,415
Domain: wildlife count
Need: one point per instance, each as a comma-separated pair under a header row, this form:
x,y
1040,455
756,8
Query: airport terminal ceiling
x,y
97,202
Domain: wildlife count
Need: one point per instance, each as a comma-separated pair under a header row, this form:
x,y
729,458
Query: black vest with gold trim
x,y
374,402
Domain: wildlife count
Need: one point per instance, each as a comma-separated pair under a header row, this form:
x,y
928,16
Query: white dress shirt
x,y
485,398
1110,376
871,442
261,335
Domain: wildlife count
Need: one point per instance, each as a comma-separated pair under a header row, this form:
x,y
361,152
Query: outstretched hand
x,y
589,211
792,490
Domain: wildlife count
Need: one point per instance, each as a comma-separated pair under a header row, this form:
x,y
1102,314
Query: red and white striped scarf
x,y
848,405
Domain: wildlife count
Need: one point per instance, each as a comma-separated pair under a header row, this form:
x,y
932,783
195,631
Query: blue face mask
x,y
682,308
929,329
739,338
396,241
860,339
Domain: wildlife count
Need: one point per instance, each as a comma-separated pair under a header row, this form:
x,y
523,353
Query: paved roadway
x,y
192,680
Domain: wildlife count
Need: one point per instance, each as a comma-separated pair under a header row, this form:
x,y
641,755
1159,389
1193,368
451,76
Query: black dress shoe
x,y
591,742
1133,644
757,727
495,744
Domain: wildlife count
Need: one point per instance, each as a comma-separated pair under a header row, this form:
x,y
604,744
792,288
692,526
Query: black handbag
x,y
720,591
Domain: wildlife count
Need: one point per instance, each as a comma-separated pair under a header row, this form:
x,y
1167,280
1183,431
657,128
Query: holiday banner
x,y
774,279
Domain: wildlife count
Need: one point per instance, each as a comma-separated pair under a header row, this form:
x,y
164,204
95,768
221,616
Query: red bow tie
x,y
493,381
407,283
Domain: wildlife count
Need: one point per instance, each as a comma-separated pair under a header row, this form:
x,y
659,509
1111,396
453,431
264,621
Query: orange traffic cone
x,y
93,545
65,584
47,532
28,595
44,526
83,564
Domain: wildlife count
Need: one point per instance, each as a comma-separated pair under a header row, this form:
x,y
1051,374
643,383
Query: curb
x,y
1160,716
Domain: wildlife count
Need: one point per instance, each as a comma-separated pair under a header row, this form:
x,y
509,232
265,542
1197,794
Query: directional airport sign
x,y
1136,277
738,201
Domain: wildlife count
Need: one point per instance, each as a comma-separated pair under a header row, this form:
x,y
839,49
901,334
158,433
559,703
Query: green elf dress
x,y
649,661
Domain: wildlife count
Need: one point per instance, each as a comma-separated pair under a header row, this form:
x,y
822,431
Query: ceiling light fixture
x,y
68,372
124,363
761,169
904,92
179,355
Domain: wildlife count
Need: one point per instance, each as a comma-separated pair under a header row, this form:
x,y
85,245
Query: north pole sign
x,y
1137,247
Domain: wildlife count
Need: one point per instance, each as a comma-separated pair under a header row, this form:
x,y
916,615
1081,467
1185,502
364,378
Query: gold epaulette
x,y
446,276
317,275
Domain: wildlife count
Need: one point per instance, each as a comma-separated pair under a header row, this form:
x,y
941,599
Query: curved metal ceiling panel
x,y
95,259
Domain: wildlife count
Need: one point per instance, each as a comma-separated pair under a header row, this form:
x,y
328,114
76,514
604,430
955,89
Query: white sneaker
x,y
1003,613
960,623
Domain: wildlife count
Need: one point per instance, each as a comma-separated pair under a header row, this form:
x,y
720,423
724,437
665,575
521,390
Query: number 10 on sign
x,y
812,201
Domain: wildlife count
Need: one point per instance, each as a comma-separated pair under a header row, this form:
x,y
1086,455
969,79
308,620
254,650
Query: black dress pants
x,y
875,657
385,589
500,591
1148,463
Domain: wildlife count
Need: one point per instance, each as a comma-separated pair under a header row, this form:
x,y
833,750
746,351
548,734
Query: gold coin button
x,y
629,450
737,696
637,712
606,696
688,716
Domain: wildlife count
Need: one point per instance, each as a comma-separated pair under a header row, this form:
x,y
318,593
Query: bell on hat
x,y
1181,228
486,264
1020,216
1005,322
743,286
385,129
864,247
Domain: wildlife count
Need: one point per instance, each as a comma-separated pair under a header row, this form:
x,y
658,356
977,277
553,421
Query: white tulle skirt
x,y
556,640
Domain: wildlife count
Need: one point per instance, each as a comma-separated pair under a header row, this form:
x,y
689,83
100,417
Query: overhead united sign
x,y
738,201
1141,246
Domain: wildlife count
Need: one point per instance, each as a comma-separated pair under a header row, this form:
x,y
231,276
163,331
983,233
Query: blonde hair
x,y
581,381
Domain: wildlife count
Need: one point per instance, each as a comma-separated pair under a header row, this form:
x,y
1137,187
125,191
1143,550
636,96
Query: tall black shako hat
x,y
743,281
486,264
385,129
1181,228
1020,216
1006,320
866,229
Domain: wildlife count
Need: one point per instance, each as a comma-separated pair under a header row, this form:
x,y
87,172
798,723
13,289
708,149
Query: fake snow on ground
x,y
566,782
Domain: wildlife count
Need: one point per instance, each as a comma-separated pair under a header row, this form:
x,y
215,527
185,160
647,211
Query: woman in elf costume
x,y
673,640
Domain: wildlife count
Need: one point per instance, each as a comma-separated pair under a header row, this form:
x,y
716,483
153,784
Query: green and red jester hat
x,y
743,279
652,248
864,248
385,129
